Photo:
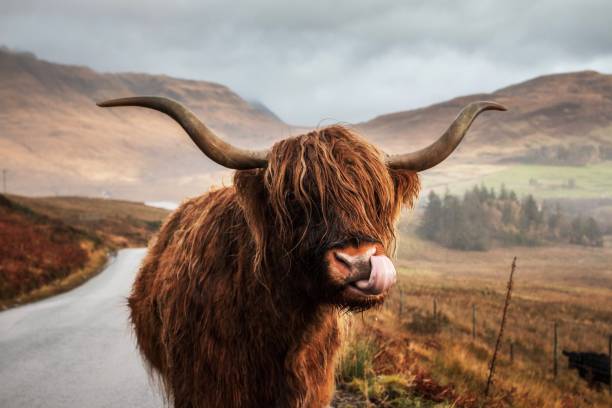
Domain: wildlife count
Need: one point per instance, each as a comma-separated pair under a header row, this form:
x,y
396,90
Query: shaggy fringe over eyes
x,y
332,181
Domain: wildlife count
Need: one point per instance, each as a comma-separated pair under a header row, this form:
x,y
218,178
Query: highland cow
x,y
592,367
237,302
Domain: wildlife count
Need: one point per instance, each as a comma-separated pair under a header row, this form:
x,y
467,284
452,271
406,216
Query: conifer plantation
x,y
482,218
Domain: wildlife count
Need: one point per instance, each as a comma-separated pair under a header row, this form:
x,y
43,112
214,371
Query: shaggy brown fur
x,y
233,305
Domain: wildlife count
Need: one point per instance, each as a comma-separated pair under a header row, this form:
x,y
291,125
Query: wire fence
x,y
549,338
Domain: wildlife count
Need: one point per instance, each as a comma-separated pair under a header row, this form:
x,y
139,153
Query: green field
x,y
591,181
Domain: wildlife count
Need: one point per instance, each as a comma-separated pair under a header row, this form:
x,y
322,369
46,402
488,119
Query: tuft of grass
x,y
392,391
357,360
375,370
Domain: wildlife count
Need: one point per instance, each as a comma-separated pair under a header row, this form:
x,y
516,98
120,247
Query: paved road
x,y
76,349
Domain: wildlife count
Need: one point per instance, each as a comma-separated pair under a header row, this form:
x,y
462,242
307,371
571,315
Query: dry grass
x,y
377,368
97,258
50,245
119,223
500,335
569,284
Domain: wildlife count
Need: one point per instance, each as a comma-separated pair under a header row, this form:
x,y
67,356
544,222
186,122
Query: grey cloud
x,y
308,60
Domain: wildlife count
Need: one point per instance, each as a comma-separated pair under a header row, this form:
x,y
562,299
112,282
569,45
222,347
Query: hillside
x,y
118,223
421,345
54,140
569,110
49,245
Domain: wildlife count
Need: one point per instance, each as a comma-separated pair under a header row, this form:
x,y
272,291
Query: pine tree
x,y
592,232
471,223
431,225
507,213
555,223
503,193
530,215
455,224
577,232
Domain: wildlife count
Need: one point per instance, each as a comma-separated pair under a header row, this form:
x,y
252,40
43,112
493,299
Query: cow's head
x,y
323,205
574,359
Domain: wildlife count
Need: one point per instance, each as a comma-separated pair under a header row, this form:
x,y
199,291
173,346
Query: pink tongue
x,y
382,276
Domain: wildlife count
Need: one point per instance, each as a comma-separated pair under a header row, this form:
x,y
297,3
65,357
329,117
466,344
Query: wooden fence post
x,y
610,358
555,354
401,304
4,171
435,310
473,322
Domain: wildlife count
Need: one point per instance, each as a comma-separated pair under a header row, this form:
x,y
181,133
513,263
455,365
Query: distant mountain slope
x,y
552,110
55,140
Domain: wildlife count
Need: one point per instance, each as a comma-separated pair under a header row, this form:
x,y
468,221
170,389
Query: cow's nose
x,y
365,268
358,265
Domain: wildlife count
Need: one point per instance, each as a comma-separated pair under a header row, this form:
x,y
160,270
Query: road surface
x,y
76,349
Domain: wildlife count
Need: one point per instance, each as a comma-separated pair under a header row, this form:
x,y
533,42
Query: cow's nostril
x,y
342,259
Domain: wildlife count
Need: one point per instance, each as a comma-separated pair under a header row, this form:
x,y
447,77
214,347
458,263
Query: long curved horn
x,y
210,144
439,150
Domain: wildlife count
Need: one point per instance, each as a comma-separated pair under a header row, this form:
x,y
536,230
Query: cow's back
x,y
157,271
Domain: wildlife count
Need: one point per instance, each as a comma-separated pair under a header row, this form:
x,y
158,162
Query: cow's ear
x,y
252,198
407,186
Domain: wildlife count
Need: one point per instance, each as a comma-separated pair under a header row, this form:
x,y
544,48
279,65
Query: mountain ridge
x,y
565,108
54,140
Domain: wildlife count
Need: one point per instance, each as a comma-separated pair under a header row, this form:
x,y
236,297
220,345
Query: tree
x,y
592,232
473,222
476,231
503,193
454,223
508,214
556,224
530,215
431,225
576,234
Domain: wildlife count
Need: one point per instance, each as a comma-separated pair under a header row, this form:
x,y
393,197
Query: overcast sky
x,y
313,60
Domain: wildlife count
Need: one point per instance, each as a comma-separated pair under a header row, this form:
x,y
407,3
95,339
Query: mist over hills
x,y
54,140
